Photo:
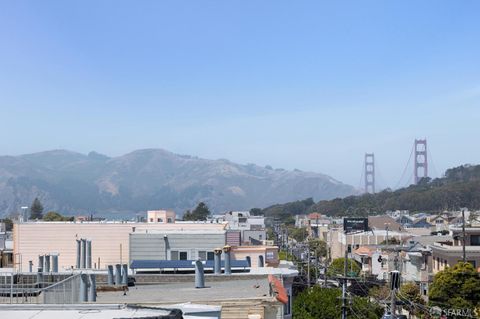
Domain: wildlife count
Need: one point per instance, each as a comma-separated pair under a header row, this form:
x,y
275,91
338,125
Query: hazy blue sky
x,y
295,84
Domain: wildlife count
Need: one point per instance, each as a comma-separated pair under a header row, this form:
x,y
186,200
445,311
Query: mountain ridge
x,y
75,183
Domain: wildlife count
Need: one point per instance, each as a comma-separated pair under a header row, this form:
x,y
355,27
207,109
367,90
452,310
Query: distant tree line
x,y
458,188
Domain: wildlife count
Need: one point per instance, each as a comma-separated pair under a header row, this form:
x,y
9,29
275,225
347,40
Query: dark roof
x,y
378,222
182,264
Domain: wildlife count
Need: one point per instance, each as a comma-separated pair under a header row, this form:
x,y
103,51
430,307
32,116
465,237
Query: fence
x,y
66,291
28,288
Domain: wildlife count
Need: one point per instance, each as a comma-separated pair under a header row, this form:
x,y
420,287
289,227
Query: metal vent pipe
x,y
110,275
39,277
54,263
228,268
79,248
118,274
47,263
30,266
89,254
217,262
125,274
199,275
83,297
84,253
40,263
92,289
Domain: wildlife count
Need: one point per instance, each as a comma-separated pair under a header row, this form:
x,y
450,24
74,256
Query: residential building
x,y
161,216
447,253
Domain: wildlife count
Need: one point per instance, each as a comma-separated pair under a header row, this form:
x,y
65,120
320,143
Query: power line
x,y
406,167
432,163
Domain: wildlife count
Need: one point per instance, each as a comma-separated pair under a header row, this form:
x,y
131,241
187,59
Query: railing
x,y
64,292
30,288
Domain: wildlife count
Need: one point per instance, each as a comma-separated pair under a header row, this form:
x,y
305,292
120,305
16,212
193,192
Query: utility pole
x,y
308,267
344,286
463,236
394,285
386,228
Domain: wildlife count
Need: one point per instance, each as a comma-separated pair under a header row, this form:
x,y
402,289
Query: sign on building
x,y
355,224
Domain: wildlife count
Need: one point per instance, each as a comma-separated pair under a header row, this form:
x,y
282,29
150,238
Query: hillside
x,y
460,187
74,183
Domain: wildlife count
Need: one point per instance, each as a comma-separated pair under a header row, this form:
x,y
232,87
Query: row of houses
x,y
419,245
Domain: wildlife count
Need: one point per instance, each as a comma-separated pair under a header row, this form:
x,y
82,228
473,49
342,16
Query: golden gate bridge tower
x,y
370,173
421,161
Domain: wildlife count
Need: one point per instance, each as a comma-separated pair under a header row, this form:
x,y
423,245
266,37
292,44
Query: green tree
x,y
456,287
200,212
36,209
410,294
318,246
325,303
256,212
8,223
391,241
337,267
299,234
270,234
56,217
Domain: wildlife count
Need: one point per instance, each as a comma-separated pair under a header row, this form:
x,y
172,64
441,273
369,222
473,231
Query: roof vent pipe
x,y
199,274
83,297
55,263
89,254
40,263
30,266
228,269
118,274
78,253
39,277
84,253
92,289
110,275
47,263
217,262
125,274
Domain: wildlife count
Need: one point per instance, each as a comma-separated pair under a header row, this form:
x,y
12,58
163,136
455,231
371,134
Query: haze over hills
x,y
74,183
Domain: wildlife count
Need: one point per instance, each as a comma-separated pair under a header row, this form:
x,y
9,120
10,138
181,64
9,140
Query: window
x,y
159,220
151,220
260,237
210,255
174,255
178,255
169,220
475,240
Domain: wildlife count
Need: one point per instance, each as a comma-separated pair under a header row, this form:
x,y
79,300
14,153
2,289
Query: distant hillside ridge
x,y
74,183
460,187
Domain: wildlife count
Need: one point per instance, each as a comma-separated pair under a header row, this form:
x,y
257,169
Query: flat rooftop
x,y
98,311
180,292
